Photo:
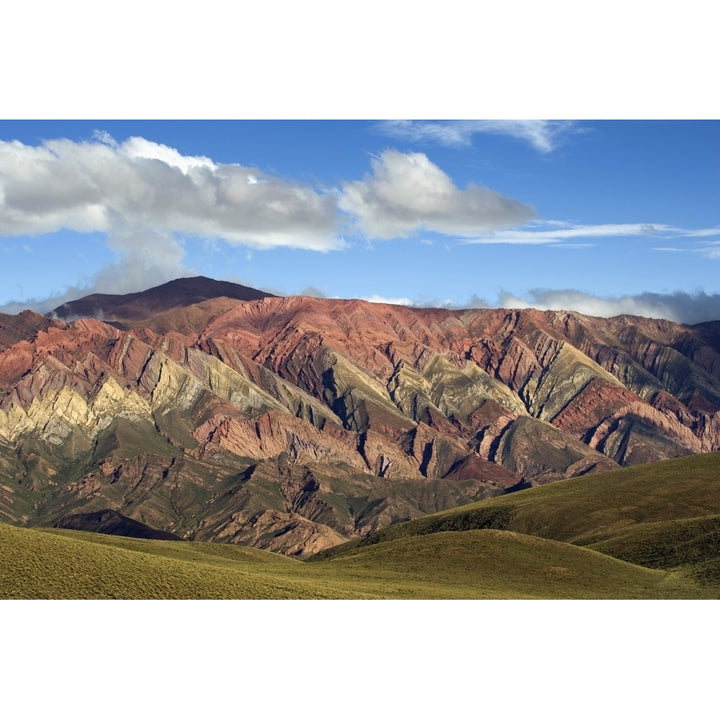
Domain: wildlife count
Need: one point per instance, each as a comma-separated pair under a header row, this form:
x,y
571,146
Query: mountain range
x,y
213,412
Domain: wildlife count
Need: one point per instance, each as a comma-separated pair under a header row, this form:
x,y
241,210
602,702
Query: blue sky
x,y
599,216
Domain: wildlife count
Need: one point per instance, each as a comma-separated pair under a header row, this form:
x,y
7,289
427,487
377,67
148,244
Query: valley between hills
x,y
394,451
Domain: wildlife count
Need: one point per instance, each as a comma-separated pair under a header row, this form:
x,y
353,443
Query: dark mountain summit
x,y
179,293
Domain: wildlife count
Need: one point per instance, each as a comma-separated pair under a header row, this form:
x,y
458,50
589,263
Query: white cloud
x,y
105,186
138,148
407,193
388,300
543,135
144,259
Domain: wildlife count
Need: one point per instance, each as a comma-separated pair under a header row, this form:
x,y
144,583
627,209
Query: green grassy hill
x,y
468,564
661,515
651,531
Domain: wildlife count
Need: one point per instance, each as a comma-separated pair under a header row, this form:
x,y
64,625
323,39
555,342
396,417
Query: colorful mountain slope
x,y
294,424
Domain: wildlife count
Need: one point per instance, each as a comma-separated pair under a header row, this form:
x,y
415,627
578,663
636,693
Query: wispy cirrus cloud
x,y
556,232
710,249
543,135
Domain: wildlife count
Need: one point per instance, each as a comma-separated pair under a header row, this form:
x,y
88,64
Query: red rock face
x,y
289,335
198,419
14,328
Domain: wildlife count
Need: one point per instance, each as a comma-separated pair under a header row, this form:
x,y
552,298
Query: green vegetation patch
x,y
690,544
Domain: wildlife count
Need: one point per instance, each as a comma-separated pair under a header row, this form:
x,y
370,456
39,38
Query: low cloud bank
x,y
382,300
679,307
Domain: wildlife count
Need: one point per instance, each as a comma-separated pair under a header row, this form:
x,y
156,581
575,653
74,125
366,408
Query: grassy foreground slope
x,y
651,531
73,565
471,564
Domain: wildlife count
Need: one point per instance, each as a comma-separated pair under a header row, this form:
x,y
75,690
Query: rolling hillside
x,y
664,518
